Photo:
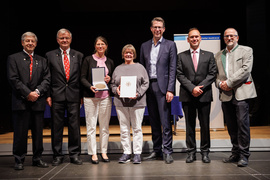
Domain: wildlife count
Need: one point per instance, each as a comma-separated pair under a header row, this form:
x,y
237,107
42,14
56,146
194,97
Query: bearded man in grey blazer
x,y
236,87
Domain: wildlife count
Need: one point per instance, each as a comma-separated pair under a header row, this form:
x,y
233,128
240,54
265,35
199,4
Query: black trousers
x,y
236,116
22,121
191,109
74,135
159,115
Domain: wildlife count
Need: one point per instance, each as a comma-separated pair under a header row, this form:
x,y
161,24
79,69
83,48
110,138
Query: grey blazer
x,y
240,79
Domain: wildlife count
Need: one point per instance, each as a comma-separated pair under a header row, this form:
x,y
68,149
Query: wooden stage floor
x,y
257,132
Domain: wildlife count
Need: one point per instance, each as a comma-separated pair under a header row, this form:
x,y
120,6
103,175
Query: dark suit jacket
x,y
18,72
189,79
86,74
61,89
166,63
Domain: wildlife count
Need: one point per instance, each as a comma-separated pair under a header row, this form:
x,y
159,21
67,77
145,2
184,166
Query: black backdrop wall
x,y
128,21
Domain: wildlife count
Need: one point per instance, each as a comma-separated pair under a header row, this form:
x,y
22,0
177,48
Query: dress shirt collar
x,y
233,49
28,53
62,51
159,41
198,50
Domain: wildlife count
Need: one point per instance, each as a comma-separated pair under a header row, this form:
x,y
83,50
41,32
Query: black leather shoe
x,y
233,158
94,161
57,161
191,158
153,156
205,158
40,163
18,166
243,162
168,158
76,160
104,160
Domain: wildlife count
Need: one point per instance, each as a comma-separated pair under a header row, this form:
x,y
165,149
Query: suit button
x,y
66,85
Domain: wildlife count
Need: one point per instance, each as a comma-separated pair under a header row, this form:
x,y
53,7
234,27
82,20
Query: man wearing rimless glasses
x,y
234,80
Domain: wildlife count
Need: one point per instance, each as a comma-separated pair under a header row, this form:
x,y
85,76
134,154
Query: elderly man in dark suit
x,y
196,71
65,65
159,57
29,77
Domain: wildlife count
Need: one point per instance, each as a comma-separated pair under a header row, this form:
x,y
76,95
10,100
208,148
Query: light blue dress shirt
x,y
153,59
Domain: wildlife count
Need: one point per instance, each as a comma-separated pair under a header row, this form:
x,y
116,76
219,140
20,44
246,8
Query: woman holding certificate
x,y
129,84
97,101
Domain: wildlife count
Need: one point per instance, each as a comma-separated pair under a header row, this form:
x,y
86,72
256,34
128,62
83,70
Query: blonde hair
x,y
159,19
130,47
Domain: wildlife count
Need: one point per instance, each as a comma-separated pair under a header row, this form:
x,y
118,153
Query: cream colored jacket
x,y
239,68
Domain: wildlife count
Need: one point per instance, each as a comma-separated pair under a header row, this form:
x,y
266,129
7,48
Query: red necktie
x,y
194,59
66,64
31,66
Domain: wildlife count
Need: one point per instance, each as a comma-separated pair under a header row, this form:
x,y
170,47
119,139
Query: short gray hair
x,y
28,34
63,30
231,28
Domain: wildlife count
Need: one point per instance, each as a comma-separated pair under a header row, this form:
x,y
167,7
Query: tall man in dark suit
x,y
29,77
65,65
159,57
196,71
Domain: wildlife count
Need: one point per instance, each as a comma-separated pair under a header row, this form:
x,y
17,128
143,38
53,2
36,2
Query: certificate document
x,y
98,75
128,86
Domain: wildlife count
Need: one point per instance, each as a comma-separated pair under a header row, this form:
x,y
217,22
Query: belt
x,y
153,80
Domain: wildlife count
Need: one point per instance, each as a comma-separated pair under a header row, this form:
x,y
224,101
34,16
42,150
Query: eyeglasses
x,y
231,36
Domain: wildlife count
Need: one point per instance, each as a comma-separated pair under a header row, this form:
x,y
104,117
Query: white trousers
x,y
97,108
133,116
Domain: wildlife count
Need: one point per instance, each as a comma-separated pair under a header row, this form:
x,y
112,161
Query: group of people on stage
x,y
63,80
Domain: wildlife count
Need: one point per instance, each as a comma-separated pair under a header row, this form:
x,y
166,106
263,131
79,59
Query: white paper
x,y
98,75
128,86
